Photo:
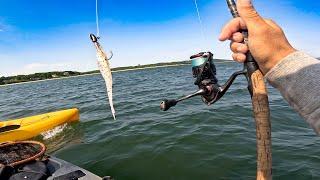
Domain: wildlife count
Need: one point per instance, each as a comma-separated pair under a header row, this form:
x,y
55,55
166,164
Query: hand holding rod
x,y
260,103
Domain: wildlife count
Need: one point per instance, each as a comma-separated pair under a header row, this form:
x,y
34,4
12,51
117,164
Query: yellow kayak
x,y
29,127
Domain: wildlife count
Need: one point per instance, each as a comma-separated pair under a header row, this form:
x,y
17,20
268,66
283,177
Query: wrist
x,y
267,65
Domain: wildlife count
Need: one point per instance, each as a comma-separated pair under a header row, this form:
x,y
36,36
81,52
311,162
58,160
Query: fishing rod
x,y
260,105
204,73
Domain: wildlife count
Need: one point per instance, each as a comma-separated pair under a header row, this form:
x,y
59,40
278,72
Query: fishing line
x,y
199,19
97,19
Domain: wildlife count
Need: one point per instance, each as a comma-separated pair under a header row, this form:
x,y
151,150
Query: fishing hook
x,y
110,56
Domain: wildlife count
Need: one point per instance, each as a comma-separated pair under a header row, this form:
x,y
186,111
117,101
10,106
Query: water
x,y
191,141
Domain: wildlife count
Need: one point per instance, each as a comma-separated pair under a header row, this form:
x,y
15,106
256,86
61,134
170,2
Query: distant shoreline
x,y
134,68
130,69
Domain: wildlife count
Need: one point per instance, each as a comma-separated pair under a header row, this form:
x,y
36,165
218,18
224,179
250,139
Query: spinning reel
x,y
204,72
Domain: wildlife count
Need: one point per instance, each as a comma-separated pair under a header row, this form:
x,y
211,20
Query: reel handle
x,y
167,104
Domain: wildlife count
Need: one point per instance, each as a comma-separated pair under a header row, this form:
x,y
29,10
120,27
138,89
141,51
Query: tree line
x,y
36,77
59,74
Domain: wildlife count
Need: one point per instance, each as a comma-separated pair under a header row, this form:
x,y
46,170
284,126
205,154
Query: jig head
x,y
95,39
204,72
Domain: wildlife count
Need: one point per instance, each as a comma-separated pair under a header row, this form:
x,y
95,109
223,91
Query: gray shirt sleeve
x,y
297,77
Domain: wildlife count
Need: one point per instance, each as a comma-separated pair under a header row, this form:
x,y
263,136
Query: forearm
x,y
297,77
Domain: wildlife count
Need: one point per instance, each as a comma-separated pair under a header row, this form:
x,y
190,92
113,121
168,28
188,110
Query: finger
x,y
238,47
239,57
250,16
237,37
235,25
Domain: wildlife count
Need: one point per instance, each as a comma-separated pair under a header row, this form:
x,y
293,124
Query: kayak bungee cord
x,y
103,63
204,72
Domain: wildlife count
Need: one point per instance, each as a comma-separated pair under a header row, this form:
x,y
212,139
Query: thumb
x,y
248,13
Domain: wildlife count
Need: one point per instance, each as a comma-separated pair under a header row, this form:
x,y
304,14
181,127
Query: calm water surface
x,y
191,141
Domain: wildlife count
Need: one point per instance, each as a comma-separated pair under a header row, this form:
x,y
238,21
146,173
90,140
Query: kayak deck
x,y
60,169
50,168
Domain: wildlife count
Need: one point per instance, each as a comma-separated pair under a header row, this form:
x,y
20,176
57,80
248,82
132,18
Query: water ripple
x,y
191,141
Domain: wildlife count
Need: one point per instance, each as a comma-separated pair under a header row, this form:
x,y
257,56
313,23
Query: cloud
x,y
2,26
5,26
44,67
33,66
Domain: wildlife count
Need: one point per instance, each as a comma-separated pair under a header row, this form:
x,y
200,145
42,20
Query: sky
x,y
46,35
